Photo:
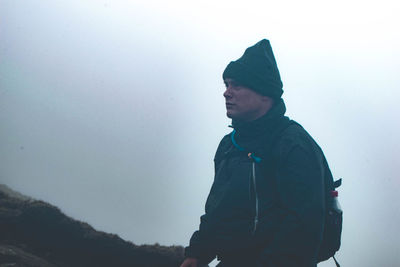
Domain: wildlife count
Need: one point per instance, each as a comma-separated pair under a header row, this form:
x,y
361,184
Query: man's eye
x,y
232,84
236,86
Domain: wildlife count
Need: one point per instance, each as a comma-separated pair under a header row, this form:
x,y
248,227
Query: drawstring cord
x,y
250,155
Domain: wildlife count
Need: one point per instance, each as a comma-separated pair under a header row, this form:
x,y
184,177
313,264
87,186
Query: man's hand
x,y
190,262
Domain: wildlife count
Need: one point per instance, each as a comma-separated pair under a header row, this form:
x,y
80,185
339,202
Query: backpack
x,y
334,215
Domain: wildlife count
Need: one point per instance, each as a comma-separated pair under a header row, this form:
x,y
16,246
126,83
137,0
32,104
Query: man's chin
x,y
233,117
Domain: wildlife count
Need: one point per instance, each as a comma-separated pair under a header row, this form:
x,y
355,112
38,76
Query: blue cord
x,y
256,159
234,141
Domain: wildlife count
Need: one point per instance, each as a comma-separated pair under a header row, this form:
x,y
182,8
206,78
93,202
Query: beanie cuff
x,y
240,73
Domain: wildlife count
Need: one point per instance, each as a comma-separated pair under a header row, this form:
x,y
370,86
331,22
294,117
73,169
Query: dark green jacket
x,y
269,213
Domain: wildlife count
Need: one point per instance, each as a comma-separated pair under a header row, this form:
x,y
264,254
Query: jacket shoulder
x,y
223,146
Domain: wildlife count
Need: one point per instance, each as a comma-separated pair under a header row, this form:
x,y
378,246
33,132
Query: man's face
x,y
242,103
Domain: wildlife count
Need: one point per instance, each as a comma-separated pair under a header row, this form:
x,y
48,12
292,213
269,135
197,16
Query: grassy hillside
x,y
35,233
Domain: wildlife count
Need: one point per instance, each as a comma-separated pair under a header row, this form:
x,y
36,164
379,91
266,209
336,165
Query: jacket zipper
x,y
256,196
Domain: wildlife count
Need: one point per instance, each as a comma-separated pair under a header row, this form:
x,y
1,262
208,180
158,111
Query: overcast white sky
x,y
112,110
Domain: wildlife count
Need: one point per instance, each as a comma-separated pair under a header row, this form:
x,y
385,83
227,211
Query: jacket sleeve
x,y
300,188
198,247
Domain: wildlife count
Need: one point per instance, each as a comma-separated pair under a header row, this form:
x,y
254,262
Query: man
x,y
266,206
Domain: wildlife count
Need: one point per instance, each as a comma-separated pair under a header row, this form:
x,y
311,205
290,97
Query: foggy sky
x,y
112,110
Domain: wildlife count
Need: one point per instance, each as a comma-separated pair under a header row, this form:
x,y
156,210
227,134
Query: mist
x,y
113,110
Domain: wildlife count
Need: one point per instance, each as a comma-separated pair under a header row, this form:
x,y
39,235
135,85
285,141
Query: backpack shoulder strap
x,y
266,150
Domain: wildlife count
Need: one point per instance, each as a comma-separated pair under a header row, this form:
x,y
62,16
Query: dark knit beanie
x,y
257,70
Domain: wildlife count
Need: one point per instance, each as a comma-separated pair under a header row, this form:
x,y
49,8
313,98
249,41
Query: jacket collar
x,y
263,124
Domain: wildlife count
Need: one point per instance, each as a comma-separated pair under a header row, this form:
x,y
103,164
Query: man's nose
x,y
227,94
